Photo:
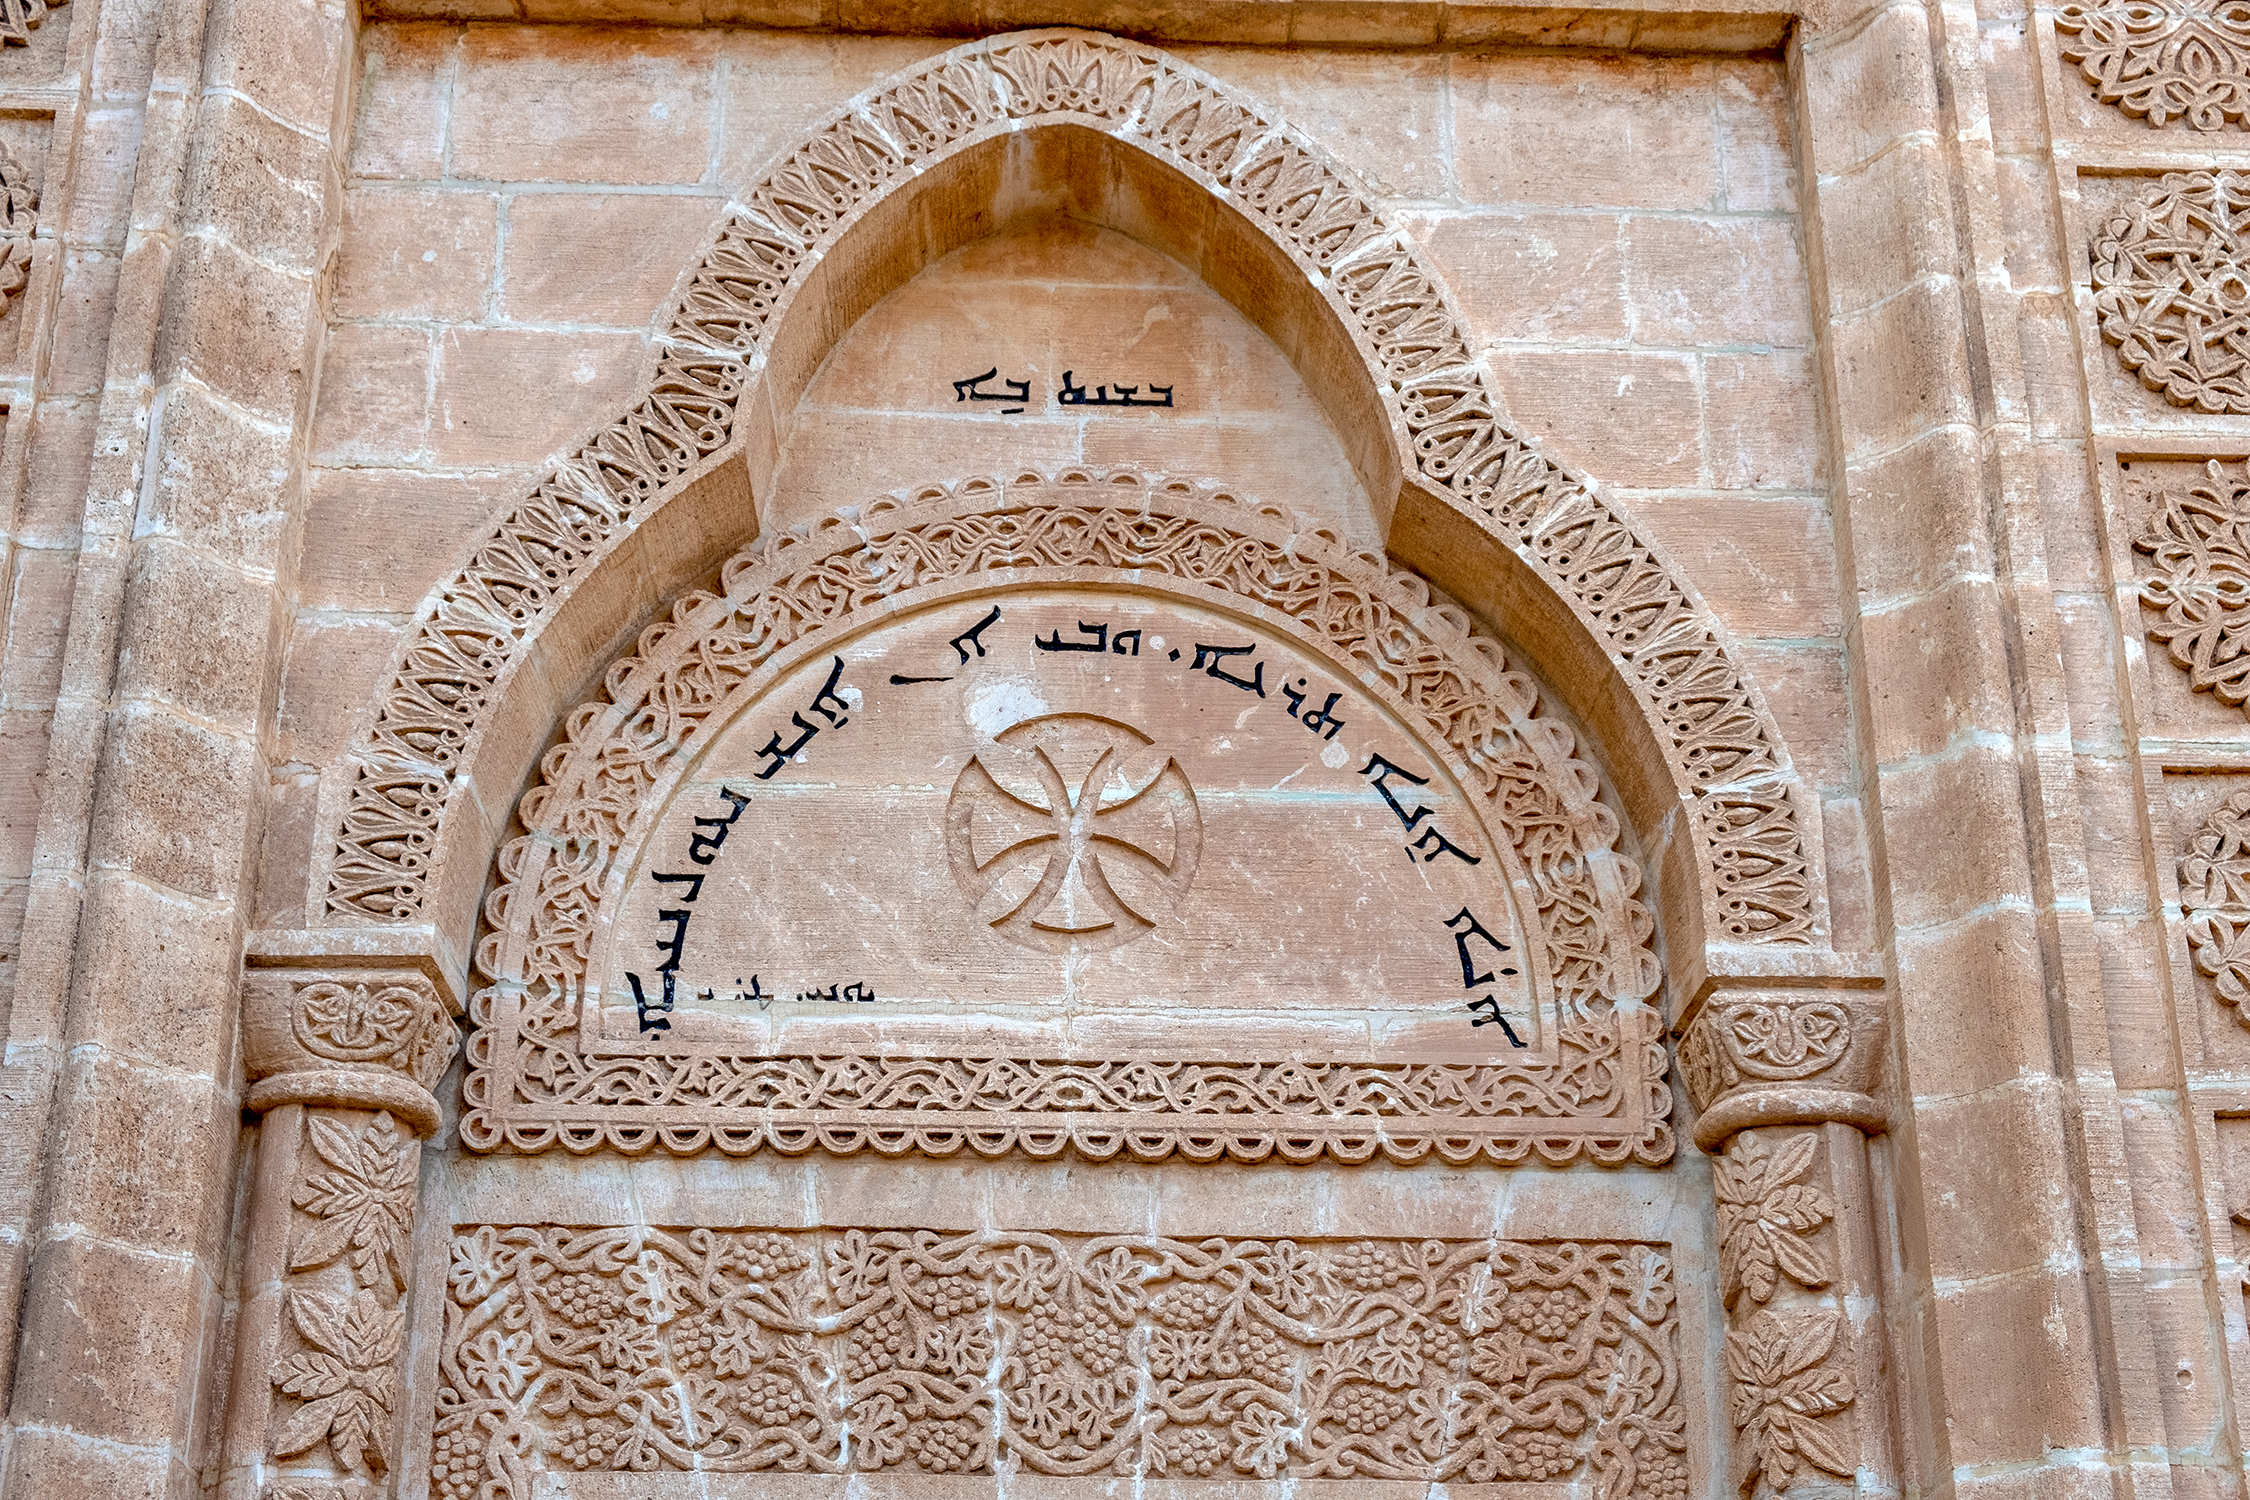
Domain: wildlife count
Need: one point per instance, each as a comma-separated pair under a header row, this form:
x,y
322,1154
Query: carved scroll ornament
x,y
833,1352
2172,290
2163,60
1726,756
537,1079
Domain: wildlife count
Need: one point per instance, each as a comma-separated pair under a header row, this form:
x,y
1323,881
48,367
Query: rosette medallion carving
x,y
2195,591
2172,291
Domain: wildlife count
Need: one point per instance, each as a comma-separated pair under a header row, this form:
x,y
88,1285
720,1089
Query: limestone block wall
x,y
1829,422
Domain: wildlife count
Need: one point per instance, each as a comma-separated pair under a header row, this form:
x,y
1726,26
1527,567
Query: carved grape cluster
x,y
585,1299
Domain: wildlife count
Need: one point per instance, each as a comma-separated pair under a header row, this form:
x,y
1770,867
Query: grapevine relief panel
x,y
1726,757
835,1351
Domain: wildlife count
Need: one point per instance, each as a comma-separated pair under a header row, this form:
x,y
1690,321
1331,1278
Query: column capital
x,y
347,1037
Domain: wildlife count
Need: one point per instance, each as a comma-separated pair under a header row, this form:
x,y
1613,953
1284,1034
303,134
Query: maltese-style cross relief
x,y
1073,831
1001,824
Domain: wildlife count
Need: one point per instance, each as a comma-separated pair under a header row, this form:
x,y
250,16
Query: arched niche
x,y
1121,136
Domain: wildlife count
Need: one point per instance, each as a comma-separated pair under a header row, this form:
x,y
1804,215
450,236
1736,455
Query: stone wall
x,y
1767,487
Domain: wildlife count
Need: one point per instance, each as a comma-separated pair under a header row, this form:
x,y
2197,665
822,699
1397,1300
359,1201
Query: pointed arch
x,y
1131,138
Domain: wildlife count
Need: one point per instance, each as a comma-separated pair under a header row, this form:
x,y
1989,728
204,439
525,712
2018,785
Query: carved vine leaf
x,y
2163,60
365,1206
345,1380
1766,1215
2173,293
1781,1393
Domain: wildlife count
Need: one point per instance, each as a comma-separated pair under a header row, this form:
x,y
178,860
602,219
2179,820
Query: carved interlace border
x,y
2163,60
537,1081
1725,752
854,1351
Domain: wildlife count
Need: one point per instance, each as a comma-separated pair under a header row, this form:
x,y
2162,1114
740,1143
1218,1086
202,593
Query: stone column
x,y
1782,1077
343,1062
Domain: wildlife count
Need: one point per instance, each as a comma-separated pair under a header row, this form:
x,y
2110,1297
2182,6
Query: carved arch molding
x,y
1718,744
691,1348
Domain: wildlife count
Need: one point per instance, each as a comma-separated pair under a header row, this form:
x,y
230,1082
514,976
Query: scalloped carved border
x,y
1726,756
535,1080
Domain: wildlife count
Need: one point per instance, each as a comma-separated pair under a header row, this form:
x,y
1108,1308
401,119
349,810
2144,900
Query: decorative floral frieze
x,y
2163,60
2198,585
1725,753
2172,292
1605,1101
840,1351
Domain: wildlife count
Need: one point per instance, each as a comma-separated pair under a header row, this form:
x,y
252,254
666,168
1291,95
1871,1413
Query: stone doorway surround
x,y
347,1022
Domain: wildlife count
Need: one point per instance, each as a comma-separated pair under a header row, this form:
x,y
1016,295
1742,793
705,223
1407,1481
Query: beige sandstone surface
x,y
1260,750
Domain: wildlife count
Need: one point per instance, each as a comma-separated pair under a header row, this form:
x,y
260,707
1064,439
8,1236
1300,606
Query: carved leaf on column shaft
x,y
2215,901
2163,60
1767,1217
2172,291
1782,1390
1228,1359
346,1380
364,1206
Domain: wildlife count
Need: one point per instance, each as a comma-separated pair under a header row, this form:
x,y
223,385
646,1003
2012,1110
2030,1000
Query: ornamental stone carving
x,y
1726,758
852,1351
2163,60
2172,291
544,1070
2215,901
343,1059
2196,588
1775,1073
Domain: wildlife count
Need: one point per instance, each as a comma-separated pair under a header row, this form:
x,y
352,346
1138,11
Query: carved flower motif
x,y
1764,1213
345,1381
1781,1393
499,1363
364,1206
